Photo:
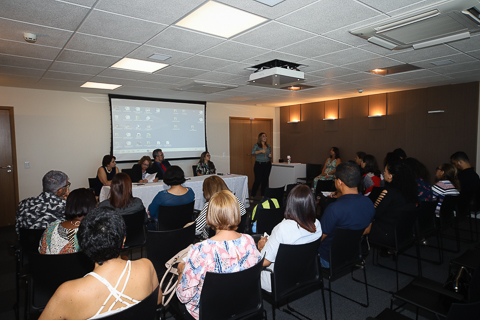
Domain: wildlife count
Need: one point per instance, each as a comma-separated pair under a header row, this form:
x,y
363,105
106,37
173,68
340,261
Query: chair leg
x,y
323,299
273,310
330,295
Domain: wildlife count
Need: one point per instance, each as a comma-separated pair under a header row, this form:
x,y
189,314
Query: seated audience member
x,y
139,170
398,197
299,227
121,198
228,251
446,184
101,236
48,206
212,185
399,152
61,237
422,178
359,156
371,173
328,170
351,211
160,165
205,166
469,180
175,196
105,173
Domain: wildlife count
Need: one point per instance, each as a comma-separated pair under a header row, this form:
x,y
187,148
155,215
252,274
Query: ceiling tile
x,y
263,10
15,61
123,74
347,56
377,49
375,81
414,74
358,77
94,44
457,58
67,76
218,77
86,3
87,58
180,72
461,67
124,82
163,78
333,72
109,25
28,72
75,68
184,40
144,52
44,12
273,35
28,50
324,16
271,56
386,6
468,44
475,54
429,80
424,54
236,68
373,64
233,51
13,30
314,47
314,65
204,63
166,12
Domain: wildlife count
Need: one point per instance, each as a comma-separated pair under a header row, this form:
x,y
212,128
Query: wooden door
x,y
243,135
8,170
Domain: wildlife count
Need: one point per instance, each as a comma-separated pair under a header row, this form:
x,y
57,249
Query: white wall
x,y
70,131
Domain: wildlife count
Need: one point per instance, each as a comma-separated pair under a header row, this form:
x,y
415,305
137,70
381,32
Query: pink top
x,y
213,256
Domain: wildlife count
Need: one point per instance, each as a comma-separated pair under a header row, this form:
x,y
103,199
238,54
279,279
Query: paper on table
x,y
150,176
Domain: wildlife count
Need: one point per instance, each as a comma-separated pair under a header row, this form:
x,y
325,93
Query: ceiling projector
x,y
276,77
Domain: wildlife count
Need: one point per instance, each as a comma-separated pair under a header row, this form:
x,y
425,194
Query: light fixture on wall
x,y
295,114
377,105
331,110
436,111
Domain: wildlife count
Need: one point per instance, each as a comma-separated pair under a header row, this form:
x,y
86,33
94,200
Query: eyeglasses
x,y
66,186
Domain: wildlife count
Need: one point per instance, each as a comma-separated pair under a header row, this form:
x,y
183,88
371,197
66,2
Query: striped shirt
x,y
440,190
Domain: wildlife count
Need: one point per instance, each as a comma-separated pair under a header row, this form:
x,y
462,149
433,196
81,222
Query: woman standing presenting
x,y
263,166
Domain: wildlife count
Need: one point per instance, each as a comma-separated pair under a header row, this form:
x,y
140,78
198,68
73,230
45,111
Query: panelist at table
x,y
140,170
105,173
160,165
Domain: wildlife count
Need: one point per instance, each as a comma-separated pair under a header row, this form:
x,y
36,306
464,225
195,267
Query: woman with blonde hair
x,y
212,185
139,170
226,252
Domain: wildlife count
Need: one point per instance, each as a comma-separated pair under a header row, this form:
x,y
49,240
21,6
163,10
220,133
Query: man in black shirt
x,y
160,165
469,180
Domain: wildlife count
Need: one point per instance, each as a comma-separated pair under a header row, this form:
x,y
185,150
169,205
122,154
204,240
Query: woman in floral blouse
x,y
205,166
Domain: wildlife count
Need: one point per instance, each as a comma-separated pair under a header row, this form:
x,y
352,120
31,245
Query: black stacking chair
x,y
128,171
275,193
313,170
267,219
296,273
470,259
145,309
174,217
136,224
404,237
194,169
345,257
289,188
48,272
236,295
448,220
430,295
163,245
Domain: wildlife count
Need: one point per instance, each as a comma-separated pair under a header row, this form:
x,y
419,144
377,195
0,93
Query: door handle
x,y
7,167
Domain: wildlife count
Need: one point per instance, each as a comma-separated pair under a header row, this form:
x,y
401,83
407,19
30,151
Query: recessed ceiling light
x,y
98,85
220,20
138,65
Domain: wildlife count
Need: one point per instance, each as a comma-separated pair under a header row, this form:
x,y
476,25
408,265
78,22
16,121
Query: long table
x,y
238,184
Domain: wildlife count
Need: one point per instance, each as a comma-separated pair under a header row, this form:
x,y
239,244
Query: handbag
x,y
458,281
172,273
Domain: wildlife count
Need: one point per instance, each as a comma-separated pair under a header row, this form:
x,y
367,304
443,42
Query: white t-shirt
x,y
286,232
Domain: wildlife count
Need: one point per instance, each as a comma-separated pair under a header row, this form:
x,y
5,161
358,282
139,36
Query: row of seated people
x,y
145,167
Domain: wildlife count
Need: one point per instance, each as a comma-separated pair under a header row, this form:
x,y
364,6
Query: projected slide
x,y
140,126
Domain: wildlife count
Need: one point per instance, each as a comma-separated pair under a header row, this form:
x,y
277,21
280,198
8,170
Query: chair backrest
x,y
267,219
136,228
194,169
289,188
462,311
163,245
145,309
448,208
276,193
128,171
313,170
29,239
243,224
296,267
49,271
232,295
92,183
174,217
404,228
426,217
345,250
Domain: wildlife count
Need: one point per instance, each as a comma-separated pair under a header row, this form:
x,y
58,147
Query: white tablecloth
x,y
238,184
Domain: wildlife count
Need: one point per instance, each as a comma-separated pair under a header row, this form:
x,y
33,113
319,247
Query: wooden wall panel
x,y
431,138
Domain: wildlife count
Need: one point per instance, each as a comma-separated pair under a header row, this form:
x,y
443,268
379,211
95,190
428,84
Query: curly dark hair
x,y
371,165
101,234
403,179
79,202
418,168
174,176
107,159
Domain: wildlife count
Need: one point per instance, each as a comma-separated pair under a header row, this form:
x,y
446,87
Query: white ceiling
x,y
78,40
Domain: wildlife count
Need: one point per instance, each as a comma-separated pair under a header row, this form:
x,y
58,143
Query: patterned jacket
x,y
38,212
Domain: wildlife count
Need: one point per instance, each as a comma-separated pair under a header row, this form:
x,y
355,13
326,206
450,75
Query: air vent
x,y
436,24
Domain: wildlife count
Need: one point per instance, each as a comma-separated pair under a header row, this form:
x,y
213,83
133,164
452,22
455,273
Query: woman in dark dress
x,y
105,173
139,170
